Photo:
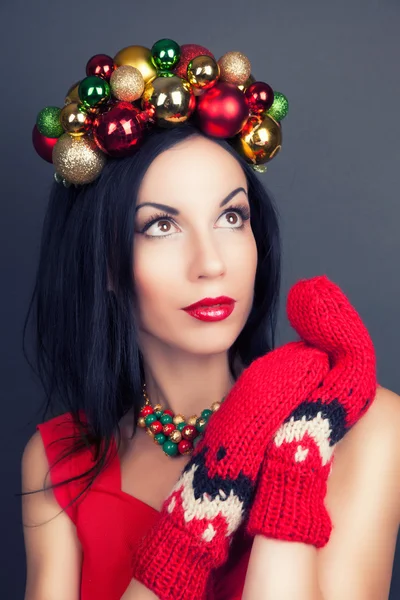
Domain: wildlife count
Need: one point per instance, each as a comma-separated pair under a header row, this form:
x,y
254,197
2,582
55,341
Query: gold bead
x,y
176,436
142,422
215,406
157,407
178,419
192,420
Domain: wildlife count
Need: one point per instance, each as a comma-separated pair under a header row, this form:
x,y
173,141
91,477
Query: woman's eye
x,y
232,218
159,228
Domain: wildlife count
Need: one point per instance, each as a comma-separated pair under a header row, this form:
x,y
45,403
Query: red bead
x,y
260,97
169,412
184,447
100,65
157,427
169,428
147,410
189,432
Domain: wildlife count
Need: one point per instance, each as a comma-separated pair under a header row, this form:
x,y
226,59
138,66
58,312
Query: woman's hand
x,y
216,489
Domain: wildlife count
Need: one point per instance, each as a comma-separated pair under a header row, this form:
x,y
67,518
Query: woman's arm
x,y
137,591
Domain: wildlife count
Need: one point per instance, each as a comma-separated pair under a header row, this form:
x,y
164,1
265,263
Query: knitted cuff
x,y
289,505
172,564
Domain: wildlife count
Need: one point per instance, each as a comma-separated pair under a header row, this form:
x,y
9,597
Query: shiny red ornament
x,y
101,65
118,132
146,410
169,412
259,96
188,53
43,145
156,427
185,447
169,428
189,432
222,111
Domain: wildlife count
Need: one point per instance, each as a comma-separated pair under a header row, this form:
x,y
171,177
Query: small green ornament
x,y
160,438
150,419
201,424
94,91
279,108
48,122
207,413
158,413
165,54
181,426
166,419
170,448
165,74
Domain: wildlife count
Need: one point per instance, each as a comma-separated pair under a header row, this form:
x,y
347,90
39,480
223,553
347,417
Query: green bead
x,y
158,413
165,54
160,438
48,122
206,413
150,419
201,426
170,448
93,91
166,419
279,108
180,426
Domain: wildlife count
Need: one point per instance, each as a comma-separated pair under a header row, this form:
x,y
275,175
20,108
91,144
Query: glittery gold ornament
x,y
72,94
139,57
127,83
170,100
203,72
235,68
157,407
176,436
178,419
215,406
78,159
243,86
192,420
74,119
141,422
260,139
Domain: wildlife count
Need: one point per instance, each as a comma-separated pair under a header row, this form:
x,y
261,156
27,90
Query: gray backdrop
x,y
336,179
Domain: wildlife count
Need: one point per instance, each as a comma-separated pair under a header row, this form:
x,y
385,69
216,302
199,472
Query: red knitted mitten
x,y
289,502
216,489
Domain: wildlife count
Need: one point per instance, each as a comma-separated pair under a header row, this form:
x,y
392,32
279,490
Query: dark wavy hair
x,y
85,343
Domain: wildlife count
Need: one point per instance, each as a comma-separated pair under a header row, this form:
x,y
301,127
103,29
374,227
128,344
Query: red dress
x,y
110,522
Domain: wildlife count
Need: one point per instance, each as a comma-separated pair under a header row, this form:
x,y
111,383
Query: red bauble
x,y
169,412
188,53
169,428
101,65
222,111
156,427
259,96
184,447
43,145
118,132
146,410
189,432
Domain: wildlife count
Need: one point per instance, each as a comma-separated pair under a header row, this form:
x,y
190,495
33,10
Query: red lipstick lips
x,y
211,309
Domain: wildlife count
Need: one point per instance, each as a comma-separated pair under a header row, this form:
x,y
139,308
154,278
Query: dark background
x,y
335,181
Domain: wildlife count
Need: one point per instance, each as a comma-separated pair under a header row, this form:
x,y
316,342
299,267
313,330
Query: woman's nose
x,y
206,258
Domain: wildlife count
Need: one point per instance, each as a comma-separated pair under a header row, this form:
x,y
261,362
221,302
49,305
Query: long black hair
x,y
86,351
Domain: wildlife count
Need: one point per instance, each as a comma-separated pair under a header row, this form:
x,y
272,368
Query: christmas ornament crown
x,y
108,113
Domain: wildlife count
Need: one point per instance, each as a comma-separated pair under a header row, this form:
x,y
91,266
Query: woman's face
x,y
198,244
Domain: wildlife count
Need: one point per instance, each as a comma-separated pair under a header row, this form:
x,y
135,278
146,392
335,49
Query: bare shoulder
x,y
53,552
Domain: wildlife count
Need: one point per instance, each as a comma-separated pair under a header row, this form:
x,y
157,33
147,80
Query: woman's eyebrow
x,y
174,211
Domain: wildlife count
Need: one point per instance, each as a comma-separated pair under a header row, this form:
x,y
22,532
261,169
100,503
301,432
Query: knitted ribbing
x,y
216,489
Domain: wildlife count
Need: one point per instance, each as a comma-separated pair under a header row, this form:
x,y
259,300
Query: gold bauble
x,y
215,406
142,422
260,139
127,83
139,57
170,100
175,436
178,419
78,159
74,119
235,68
72,94
243,87
157,407
192,420
203,72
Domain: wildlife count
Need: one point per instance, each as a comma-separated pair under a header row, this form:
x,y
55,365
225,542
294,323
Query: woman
x,y
215,236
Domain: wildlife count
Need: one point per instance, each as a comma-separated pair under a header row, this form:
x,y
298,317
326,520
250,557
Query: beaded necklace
x,y
175,434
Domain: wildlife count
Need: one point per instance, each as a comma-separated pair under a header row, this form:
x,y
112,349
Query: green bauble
x,y
48,122
207,413
279,108
93,91
181,426
165,54
158,413
170,448
150,419
166,419
160,438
